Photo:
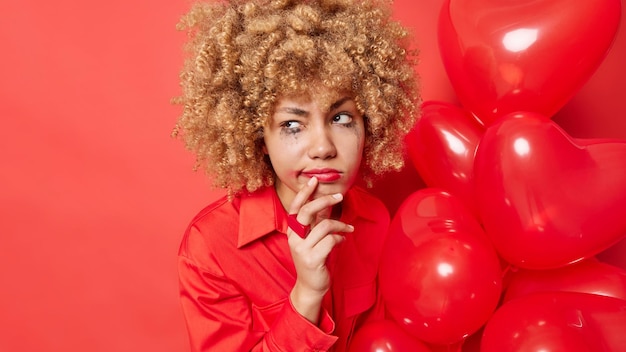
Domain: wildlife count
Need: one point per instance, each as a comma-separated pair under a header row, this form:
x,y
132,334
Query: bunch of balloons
x,y
501,244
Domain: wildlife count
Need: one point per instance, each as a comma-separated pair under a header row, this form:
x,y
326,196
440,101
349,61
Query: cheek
x,y
274,143
354,145
283,151
360,140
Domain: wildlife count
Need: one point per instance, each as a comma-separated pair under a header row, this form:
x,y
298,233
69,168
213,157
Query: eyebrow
x,y
339,102
293,111
300,112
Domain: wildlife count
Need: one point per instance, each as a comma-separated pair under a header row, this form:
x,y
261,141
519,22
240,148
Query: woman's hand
x,y
309,254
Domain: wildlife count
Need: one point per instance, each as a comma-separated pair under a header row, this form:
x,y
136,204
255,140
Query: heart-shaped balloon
x,y
442,146
384,336
523,55
557,321
587,276
440,276
546,199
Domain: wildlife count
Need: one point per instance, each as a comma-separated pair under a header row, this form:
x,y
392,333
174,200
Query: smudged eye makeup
x,y
294,117
291,126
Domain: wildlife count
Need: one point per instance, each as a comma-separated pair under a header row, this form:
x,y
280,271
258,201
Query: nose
x,y
321,142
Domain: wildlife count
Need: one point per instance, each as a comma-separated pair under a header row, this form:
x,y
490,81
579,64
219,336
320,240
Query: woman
x,y
288,105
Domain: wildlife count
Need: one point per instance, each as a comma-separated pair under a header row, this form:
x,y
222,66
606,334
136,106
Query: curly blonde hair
x,y
244,55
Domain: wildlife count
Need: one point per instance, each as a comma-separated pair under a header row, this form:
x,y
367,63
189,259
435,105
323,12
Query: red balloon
x,y
615,255
440,277
453,347
530,55
384,336
546,199
442,146
472,343
588,276
557,321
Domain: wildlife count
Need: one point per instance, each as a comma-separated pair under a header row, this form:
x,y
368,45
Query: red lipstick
x,y
323,175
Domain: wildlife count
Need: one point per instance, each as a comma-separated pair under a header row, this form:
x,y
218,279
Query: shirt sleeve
x,y
219,318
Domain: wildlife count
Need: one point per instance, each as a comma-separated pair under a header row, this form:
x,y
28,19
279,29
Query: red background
x,y
94,195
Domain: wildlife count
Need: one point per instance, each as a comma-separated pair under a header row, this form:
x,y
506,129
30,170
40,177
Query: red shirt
x,y
236,274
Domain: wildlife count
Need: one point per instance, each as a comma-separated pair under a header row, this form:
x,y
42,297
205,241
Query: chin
x,y
324,189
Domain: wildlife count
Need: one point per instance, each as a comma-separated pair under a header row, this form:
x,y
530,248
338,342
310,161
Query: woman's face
x,y
308,138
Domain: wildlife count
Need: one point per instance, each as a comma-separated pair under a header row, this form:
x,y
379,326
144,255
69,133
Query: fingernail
x,y
311,181
351,228
338,196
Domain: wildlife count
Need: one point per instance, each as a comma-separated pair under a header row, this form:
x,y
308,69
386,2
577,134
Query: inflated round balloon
x,y
530,55
588,276
452,347
384,336
440,277
545,199
442,146
557,321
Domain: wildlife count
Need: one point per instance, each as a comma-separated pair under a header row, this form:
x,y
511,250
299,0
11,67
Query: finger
x,y
308,212
301,226
322,249
312,256
329,242
303,196
326,228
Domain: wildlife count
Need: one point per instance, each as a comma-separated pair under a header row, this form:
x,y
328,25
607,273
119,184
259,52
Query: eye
x,y
291,126
342,119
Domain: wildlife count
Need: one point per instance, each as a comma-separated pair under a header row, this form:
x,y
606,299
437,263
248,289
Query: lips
x,y
323,175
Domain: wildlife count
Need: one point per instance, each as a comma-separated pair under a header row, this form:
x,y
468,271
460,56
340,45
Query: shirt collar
x,y
262,213
356,205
